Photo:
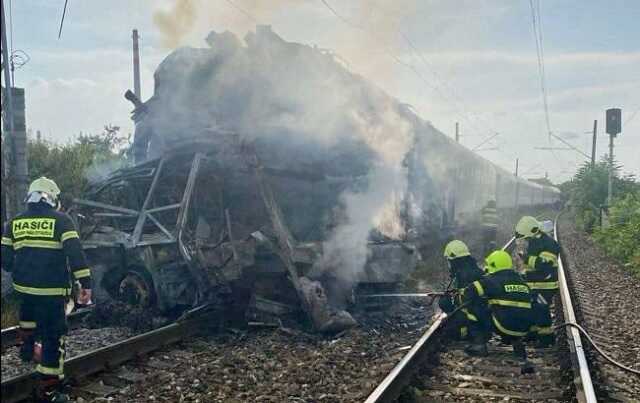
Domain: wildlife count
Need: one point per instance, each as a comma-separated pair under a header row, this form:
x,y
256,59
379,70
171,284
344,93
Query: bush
x,y
587,192
621,239
73,165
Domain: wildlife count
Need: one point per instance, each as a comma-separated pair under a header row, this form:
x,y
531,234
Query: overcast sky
x,y
471,61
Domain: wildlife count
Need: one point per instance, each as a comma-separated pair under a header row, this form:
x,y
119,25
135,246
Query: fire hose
x,y
598,349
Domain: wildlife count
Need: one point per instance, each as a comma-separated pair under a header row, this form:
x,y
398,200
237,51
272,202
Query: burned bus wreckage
x,y
271,180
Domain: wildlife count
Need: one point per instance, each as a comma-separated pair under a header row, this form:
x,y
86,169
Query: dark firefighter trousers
x,y
44,318
542,328
471,322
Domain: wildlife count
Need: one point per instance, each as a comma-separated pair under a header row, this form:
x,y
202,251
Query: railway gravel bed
x,y
268,365
456,377
608,302
78,341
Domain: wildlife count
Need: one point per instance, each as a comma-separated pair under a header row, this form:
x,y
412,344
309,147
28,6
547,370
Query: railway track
x,y
20,388
75,319
437,369
434,369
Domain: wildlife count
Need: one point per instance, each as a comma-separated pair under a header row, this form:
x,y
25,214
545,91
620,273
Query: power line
x,y
64,12
399,61
243,11
485,141
537,32
633,115
429,67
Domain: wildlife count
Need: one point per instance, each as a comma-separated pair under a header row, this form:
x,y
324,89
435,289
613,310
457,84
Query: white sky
x,y
472,61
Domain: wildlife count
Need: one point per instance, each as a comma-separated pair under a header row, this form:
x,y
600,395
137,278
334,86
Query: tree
x,y
588,190
73,165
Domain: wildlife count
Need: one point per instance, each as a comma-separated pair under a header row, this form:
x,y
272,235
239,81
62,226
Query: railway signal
x,y
613,128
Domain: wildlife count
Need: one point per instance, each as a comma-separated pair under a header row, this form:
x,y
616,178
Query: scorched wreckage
x,y
269,178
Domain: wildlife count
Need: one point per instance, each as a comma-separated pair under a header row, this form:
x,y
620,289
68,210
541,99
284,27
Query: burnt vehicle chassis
x,y
201,224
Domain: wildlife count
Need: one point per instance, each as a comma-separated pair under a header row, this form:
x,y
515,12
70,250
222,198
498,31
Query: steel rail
x,y
21,387
400,376
585,392
10,334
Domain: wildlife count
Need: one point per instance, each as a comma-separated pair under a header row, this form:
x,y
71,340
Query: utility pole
x,y
593,144
454,193
136,65
517,183
610,184
8,117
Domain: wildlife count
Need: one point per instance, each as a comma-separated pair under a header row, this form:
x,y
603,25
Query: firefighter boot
x,y
545,341
478,347
50,391
27,344
519,351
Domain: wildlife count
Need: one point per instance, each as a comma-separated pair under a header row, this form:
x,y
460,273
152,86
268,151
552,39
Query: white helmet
x,y
45,190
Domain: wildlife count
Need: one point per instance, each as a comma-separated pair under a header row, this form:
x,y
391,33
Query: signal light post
x,y
614,127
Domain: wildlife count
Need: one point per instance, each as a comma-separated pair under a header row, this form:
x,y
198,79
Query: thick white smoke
x,y
267,89
379,206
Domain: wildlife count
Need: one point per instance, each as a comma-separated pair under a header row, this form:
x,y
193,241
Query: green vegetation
x,y
587,193
73,165
621,238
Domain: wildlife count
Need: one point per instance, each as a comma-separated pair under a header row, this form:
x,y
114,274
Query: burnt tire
x,y
136,288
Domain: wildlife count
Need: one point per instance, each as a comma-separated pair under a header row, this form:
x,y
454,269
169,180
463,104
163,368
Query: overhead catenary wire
x,y
243,11
630,118
64,12
390,52
537,33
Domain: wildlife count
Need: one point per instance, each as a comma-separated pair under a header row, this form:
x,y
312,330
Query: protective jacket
x,y
489,217
36,247
541,272
464,270
508,299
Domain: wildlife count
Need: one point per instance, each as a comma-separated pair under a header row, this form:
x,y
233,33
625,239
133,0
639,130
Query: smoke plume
x,y
298,101
176,23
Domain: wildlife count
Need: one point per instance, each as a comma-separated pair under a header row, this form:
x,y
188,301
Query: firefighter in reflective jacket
x,y
541,273
463,271
509,302
37,245
489,227
541,257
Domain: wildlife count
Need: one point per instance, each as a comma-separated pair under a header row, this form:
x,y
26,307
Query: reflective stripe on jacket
x,y
508,299
37,245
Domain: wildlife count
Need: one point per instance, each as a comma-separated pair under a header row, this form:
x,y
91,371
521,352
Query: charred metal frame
x,y
148,213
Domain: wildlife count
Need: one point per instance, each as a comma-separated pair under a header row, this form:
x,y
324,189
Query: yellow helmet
x,y
497,261
43,189
527,227
456,249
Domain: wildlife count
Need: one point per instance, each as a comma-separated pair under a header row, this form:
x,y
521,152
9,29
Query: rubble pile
x,y
281,364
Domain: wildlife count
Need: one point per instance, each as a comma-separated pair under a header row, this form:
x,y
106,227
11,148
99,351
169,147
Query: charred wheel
x,y
136,288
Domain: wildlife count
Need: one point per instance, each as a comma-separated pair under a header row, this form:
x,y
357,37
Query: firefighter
x,y
39,246
541,273
509,301
489,227
463,270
